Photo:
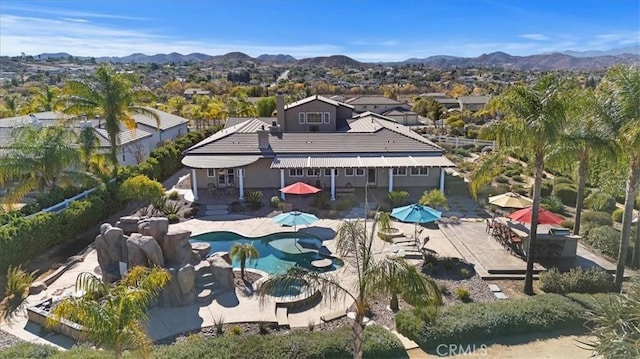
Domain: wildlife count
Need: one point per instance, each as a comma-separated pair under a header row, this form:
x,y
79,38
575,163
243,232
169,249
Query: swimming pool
x,y
277,252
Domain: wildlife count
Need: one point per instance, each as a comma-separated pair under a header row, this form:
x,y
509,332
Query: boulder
x,y
129,224
186,277
111,249
224,255
202,248
155,227
177,248
222,273
181,289
144,251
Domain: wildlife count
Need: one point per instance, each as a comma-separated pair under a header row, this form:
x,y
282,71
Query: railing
x,y
461,141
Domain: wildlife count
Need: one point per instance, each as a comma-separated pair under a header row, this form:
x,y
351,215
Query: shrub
x,y
434,198
173,195
464,272
566,194
218,323
577,280
605,239
617,215
236,206
18,281
253,199
553,204
236,330
601,202
563,180
141,188
343,204
397,198
465,323
501,179
275,202
173,218
567,223
189,213
518,178
463,294
594,219
511,173
321,200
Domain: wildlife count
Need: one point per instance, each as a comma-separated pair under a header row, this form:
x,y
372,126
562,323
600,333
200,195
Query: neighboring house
x,y
169,128
321,142
473,103
444,100
402,116
377,104
136,143
191,92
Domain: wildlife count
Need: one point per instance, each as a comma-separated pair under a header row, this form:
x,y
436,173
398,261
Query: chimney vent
x,y
280,110
263,139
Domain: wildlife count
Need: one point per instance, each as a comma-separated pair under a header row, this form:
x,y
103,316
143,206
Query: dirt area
x,y
553,346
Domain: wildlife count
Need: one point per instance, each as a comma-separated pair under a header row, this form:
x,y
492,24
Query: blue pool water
x,y
277,252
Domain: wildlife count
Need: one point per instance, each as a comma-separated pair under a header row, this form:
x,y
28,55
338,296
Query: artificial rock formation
x,y
111,249
144,251
222,272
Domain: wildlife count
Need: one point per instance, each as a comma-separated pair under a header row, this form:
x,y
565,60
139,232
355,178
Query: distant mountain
x,y
634,50
57,55
233,57
554,61
158,58
330,61
276,58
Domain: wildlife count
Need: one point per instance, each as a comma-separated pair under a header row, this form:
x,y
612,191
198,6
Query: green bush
x,y
18,281
299,344
465,323
566,194
605,239
321,200
141,188
173,195
563,180
553,204
601,202
518,178
617,215
253,199
275,202
173,218
343,204
501,179
577,280
594,219
546,189
236,207
463,294
513,172
567,223
397,198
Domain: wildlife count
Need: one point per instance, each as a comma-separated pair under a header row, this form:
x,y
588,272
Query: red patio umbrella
x,y
300,188
544,216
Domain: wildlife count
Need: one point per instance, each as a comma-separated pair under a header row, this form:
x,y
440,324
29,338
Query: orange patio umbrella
x,y
544,216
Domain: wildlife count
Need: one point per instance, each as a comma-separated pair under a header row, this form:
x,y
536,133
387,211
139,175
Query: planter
x,y
388,234
39,313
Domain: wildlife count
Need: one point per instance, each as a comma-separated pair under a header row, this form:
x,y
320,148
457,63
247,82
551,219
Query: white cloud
x,y
71,19
537,37
69,13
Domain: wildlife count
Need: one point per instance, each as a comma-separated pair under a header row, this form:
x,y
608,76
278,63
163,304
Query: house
x,y
190,93
444,100
473,103
403,116
136,144
377,104
319,141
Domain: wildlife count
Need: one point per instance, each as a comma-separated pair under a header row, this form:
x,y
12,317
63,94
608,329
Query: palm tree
x,y
243,252
536,117
619,105
434,198
113,315
11,106
40,159
89,143
583,136
112,97
46,98
373,274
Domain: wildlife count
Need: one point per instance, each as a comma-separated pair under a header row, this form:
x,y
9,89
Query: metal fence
x,y
461,141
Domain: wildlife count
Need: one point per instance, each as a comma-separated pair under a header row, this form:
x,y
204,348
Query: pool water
x,y
276,252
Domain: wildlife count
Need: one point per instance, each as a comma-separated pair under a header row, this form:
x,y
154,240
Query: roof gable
x,y
316,98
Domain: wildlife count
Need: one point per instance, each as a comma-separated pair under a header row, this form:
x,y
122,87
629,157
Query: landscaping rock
x,y
129,224
155,227
180,290
144,251
177,248
111,249
222,272
202,248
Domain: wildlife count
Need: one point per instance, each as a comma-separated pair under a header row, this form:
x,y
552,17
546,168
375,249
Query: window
x,y
348,171
327,118
327,172
359,171
314,118
211,172
313,172
400,171
419,171
301,118
296,172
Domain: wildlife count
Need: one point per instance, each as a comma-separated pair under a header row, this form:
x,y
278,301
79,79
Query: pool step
x,y
282,316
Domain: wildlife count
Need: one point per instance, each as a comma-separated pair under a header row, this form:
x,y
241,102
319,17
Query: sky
x,y
371,31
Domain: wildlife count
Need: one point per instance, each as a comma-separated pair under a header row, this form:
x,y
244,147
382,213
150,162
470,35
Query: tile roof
x,y
167,120
232,121
125,136
373,100
474,99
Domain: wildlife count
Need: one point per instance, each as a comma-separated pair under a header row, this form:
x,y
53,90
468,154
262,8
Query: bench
x,y
344,191
333,315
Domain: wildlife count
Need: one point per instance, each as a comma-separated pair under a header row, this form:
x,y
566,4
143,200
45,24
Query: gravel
x,y
7,340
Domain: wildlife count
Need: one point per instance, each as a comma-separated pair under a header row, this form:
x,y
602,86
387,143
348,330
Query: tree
x,y
374,274
45,98
178,105
243,252
40,158
89,143
141,188
429,107
265,106
111,96
535,120
113,315
619,106
434,198
583,136
11,106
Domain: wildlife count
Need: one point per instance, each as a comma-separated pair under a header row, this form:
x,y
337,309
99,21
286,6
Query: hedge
x,y
24,238
566,193
577,280
467,323
379,343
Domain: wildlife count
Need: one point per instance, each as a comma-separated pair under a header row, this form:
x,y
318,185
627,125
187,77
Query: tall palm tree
x,y
89,143
40,158
619,105
111,96
374,275
243,252
534,122
583,136
113,315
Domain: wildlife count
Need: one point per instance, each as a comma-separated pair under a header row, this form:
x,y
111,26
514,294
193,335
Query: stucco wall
x,y
293,125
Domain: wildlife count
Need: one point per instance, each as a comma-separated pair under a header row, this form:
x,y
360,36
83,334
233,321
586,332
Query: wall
x,y
291,117
159,136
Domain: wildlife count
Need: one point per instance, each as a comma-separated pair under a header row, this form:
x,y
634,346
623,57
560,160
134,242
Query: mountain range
x,y
553,61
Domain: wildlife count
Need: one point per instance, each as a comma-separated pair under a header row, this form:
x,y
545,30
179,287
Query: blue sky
x,y
374,30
